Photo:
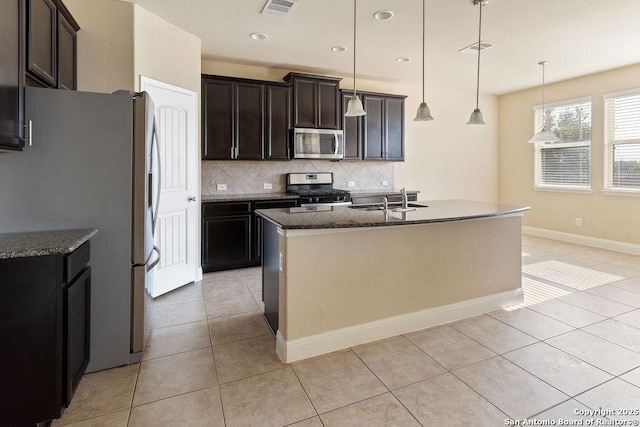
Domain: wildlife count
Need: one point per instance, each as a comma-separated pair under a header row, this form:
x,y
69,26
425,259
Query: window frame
x,y
538,185
609,146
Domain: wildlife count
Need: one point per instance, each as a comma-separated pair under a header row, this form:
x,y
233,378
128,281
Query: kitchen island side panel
x,y
271,274
346,278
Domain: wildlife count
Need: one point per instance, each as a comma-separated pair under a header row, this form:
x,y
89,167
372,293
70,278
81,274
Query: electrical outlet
x,y
221,187
384,183
579,222
351,184
281,262
267,186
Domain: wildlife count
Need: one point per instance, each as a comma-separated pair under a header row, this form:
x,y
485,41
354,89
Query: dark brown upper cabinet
x,y
352,130
42,22
67,54
278,119
244,119
316,101
249,121
11,75
50,44
217,119
378,135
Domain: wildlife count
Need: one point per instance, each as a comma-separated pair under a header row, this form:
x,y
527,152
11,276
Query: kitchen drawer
x,y
213,209
76,262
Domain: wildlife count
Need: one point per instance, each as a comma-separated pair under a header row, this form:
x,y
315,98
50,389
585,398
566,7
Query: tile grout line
x,y
215,365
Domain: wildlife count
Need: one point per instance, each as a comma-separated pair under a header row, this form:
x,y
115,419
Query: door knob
x,y
192,198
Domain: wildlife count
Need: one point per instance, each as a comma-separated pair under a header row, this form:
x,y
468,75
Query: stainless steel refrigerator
x,y
93,162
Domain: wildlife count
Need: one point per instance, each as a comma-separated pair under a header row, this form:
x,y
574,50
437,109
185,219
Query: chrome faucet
x,y
405,199
385,205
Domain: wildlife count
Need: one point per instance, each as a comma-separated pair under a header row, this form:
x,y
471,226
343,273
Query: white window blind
x,y
622,141
566,163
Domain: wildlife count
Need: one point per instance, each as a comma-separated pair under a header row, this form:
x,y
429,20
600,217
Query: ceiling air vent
x,y
279,7
474,47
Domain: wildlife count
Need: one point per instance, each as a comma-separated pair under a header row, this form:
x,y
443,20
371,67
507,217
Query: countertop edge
x,y
54,242
515,210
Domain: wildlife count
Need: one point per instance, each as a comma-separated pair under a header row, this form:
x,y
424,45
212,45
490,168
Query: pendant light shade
x,y
544,135
354,108
424,113
476,116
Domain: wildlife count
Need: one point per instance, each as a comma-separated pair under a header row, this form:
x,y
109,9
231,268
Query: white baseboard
x,y
611,245
315,345
198,274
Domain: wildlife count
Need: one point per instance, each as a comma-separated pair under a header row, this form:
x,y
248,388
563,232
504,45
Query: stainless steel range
x,y
316,189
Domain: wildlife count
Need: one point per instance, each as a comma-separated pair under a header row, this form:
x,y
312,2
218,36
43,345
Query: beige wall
x,y
118,42
165,52
105,44
607,217
445,158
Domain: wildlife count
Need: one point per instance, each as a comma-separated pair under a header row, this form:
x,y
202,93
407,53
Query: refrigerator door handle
x,y
154,141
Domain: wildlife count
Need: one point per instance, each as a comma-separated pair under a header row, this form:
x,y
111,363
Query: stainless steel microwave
x,y
318,144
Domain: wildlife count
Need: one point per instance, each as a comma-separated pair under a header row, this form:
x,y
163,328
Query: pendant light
x,y
476,116
544,135
424,113
354,108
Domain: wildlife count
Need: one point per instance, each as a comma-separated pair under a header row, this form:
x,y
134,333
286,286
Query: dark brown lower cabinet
x,y
226,236
232,233
258,222
77,300
45,332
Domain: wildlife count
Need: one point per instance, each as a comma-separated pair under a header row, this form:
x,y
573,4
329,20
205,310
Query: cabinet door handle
x,y
233,152
192,198
30,137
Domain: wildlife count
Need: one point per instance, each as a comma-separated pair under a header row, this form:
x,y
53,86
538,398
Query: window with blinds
x,y
566,163
622,141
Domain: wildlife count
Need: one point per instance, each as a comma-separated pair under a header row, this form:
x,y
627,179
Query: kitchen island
x,y
339,276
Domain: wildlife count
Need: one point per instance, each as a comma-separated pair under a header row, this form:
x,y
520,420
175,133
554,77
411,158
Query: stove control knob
x,y
310,199
317,199
341,198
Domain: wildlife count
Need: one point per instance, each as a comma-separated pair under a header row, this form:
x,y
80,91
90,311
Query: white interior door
x,y
177,223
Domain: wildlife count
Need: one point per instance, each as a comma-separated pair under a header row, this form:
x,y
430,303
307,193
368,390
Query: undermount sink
x,y
391,206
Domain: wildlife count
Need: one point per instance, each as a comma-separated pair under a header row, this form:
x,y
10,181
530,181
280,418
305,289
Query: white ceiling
x,y
577,37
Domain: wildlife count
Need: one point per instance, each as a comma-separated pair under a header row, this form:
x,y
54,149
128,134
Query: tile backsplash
x,y
244,176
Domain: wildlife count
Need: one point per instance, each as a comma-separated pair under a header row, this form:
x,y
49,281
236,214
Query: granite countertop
x,y
247,196
40,243
348,217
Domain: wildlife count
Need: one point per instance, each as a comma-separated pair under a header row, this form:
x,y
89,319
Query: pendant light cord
x,y
423,37
479,40
355,93
544,118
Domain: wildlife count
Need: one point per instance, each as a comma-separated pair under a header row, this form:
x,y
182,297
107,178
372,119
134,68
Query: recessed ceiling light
x,y
403,59
338,49
383,15
258,36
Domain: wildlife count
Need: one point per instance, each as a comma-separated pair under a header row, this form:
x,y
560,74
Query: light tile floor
x,y
574,344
